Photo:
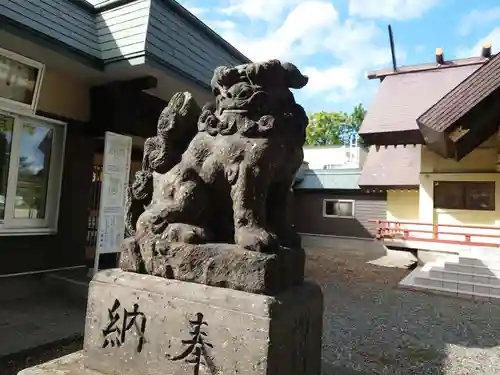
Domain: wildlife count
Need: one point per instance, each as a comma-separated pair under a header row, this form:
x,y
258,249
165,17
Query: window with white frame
x,y
20,81
338,208
31,150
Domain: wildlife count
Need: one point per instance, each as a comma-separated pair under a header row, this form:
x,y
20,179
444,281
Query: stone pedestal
x,y
216,264
146,325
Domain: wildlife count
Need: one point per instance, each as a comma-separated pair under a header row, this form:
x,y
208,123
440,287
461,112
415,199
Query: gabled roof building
x,y
434,148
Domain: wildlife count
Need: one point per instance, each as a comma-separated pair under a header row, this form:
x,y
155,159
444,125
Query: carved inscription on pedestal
x,y
197,348
122,322
115,332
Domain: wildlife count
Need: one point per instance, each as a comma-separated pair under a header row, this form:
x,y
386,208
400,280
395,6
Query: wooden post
x,y
406,234
486,51
439,56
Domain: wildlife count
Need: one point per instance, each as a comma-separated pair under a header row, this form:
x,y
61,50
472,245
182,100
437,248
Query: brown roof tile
x,y
479,60
402,98
391,166
459,101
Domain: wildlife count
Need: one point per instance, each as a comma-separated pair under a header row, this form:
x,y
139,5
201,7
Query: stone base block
x,y
146,325
71,364
216,264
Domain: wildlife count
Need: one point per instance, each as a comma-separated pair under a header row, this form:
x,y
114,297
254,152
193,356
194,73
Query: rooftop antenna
x,y
393,52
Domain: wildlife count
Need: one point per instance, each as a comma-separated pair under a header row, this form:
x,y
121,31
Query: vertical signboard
x,y
115,179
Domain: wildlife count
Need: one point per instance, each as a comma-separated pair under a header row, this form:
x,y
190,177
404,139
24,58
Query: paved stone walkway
x,y
33,313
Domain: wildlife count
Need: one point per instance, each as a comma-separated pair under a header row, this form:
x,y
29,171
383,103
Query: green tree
x,y
357,116
333,128
324,128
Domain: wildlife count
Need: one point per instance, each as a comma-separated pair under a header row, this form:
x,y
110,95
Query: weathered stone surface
x,y
211,277
71,364
222,174
245,334
222,265
248,333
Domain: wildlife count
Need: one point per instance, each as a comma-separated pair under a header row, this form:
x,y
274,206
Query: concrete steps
x,y
463,276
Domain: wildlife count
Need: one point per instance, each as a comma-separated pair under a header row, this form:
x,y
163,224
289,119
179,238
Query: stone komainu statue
x,y
219,177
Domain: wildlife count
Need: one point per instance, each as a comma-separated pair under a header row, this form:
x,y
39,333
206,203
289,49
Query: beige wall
x,y
65,96
402,205
479,165
418,206
482,159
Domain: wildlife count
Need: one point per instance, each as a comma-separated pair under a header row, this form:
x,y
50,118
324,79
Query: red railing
x,y
440,233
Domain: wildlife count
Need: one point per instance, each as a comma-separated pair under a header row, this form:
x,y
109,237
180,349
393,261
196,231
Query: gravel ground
x,y
371,327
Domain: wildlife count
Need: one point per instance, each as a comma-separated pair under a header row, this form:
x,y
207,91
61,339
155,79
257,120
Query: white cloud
x,y
297,36
196,10
259,9
348,82
334,53
222,25
338,77
390,9
363,94
355,42
493,37
478,18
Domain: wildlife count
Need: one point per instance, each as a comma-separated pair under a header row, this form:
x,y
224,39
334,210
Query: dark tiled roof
x,y
402,98
392,166
464,97
86,12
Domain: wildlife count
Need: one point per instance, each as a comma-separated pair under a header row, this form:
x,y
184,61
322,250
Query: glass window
x,y
469,195
20,79
449,195
31,149
17,80
31,154
33,171
6,129
480,196
334,207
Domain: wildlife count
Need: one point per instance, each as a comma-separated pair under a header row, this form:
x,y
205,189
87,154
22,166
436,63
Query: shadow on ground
x,y
12,364
36,323
371,327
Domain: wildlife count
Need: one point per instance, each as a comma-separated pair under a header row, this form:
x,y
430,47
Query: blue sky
x,y
336,42
30,143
